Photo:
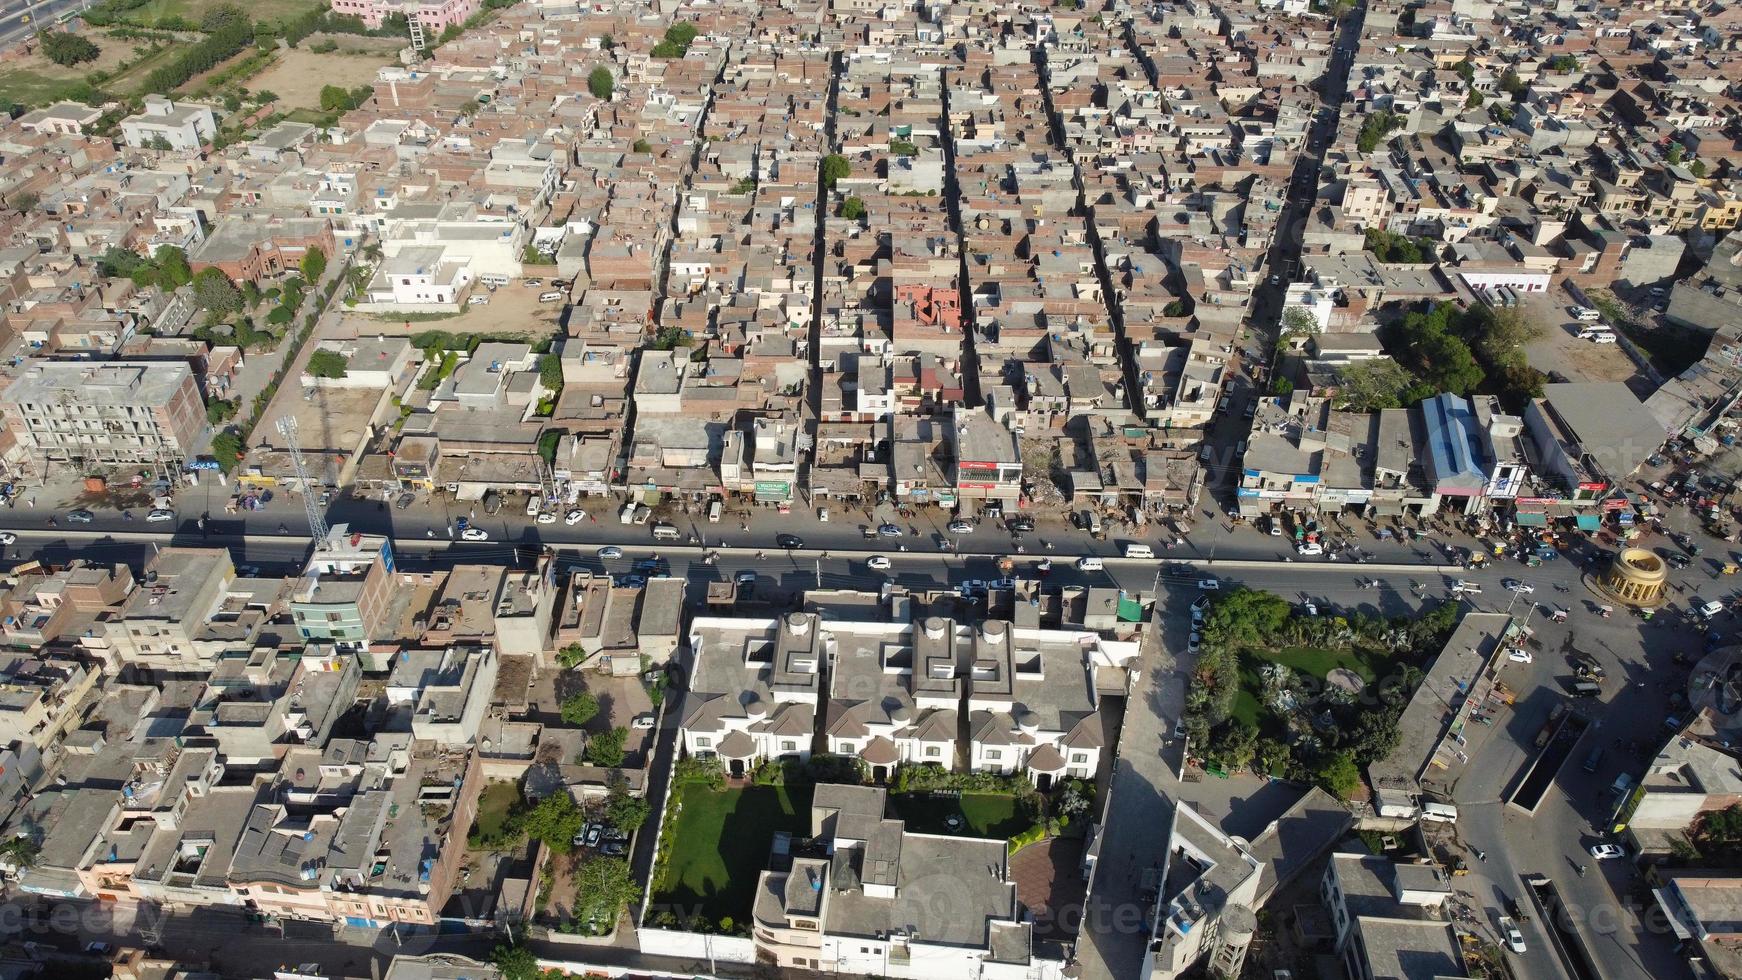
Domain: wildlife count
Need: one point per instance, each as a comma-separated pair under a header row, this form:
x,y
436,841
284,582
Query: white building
x,y
183,126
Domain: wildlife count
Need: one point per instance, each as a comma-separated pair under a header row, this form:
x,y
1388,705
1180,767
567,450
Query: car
x,y
1522,588
574,517
7,537
745,578
1519,655
1275,527
889,530
879,562
545,517
80,516
961,527
631,581
405,500
642,513
535,282
1179,728
610,551
614,848
1192,643
1510,933
1604,852
160,516
1678,560
99,949
642,721
1276,280
1201,604
1043,566
1209,585
972,586
594,832
1197,616
474,534
1020,525
791,542
1710,609
1309,549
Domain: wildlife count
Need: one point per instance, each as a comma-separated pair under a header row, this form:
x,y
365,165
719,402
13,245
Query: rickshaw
x,y
1729,568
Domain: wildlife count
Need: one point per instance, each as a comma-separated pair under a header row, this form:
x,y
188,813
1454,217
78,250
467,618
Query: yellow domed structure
x,y
1635,577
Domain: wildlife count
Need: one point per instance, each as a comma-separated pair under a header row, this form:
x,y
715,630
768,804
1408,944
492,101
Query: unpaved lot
x,y
1560,350
512,309
298,75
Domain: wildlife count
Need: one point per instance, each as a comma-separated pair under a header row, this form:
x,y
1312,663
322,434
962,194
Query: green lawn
x,y
493,806
992,815
1313,661
277,12
30,88
719,845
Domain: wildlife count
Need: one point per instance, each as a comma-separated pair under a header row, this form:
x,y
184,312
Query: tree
x,y
172,267
334,99
608,42
852,209
1563,63
835,167
571,656
515,962
555,821
222,17
327,363
578,709
159,143
604,887
1674,154
676,42
1281,387
227,449
314,262
641,147
1338,775
214,291
600,83
68,49
626,812
1698,169
1373,384
1474,101
24,202
1502,334
120,263
606,748
1298,321
1511,84
219,411
1376,127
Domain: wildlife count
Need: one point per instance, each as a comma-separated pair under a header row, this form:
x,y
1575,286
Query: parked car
x,y
1510,933
1209,585
614,848
1522,588
405,500
1192,643
791,542
643,721
1309,549
574,517
961,527
1519,655
475,534
889,531
1090,564
879,562
160,516
594,832
745,578
1020,525
545,517
610,551
80,517
1604,852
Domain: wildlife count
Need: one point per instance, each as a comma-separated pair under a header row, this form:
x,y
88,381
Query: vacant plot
x,y
995,815
719,845
494,805
33,80
277,12
298,75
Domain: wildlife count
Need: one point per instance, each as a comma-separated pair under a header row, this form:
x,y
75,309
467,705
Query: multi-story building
x,y
167,125
108,412
342,593
164,622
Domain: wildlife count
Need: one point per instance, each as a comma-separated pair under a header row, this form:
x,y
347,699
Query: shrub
x,y
326,363
606,748
68,49
578,709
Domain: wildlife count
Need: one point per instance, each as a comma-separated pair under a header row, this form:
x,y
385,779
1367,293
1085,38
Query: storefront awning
x,y
1527,519
1589,522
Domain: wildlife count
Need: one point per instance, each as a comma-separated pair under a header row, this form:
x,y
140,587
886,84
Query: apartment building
x,y
117,412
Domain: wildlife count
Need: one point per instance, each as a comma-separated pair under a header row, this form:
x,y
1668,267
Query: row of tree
x,y
229,31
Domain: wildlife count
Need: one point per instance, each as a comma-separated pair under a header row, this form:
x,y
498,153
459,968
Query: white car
x,y
1192,643
1310,549
159,516
545,517
574,517
480,300
1510,933
1711,609
474,534
878,562
1604,852
822,515
643,721
1209,585
7,537
961,527
610,551
1522,588
1519,655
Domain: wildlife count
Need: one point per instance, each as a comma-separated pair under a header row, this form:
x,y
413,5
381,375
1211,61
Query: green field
x,y
494,804
992,815
38,82
1311,661
277,12
719,845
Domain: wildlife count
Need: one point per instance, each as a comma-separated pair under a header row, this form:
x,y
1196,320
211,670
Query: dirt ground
x,y
512,309
298,75
1560,350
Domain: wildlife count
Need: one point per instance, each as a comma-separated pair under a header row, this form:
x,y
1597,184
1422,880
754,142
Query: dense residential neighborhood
x,y
1027,491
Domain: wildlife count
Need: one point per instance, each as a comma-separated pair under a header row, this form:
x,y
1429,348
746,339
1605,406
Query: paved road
x,y
19,18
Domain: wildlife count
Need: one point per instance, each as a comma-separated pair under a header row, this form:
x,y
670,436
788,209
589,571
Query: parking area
x,y
1560,354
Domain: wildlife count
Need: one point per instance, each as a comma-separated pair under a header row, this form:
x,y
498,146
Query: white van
x,y
1139,551
1090,564
1439,812
714,512
493,281
550,297
532,503
1584,314
1598,334
665,532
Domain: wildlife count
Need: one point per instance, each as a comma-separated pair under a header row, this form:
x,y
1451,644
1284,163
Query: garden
x,y
1307,697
